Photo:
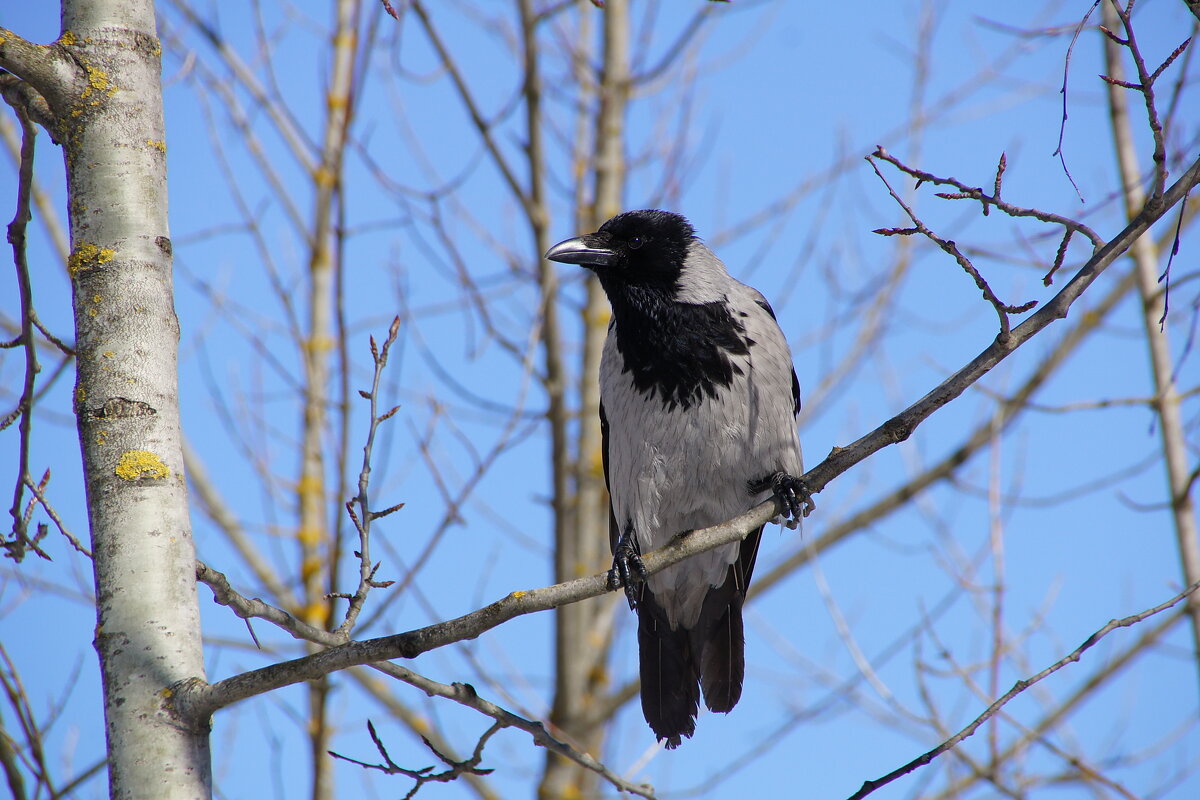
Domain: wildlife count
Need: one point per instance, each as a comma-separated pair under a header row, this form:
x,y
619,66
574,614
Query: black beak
x,y
578,251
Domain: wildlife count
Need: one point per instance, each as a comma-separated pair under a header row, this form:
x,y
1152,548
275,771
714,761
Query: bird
x,y
698,405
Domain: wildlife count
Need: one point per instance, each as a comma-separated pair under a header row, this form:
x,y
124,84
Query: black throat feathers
x,y
679,351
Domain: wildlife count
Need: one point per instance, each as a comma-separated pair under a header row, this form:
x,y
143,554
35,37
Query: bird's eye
x,y
636,242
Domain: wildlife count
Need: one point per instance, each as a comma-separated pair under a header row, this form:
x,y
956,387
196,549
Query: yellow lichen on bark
x,y
135,464
86,252
97,81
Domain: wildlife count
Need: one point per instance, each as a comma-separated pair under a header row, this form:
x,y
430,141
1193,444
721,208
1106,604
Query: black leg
x,y
792,493
627,569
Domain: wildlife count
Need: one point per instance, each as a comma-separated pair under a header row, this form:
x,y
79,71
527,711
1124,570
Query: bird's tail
x,y
722,660
676,664
670,675
718,637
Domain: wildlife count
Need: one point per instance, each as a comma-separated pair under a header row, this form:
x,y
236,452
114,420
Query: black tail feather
x,y
722,664
677,664
670,679
719,638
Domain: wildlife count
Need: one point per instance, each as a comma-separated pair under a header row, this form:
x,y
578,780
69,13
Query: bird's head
x,y
637,247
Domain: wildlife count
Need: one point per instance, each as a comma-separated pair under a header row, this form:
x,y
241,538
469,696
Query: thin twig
x,y
365,516
246,608
1020,686
975,193
466,695
1062,128
481,125
37,489
1003,310
457,769
20,540
1145,87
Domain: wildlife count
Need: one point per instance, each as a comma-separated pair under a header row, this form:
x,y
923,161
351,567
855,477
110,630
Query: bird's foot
x,y
627,570
793,494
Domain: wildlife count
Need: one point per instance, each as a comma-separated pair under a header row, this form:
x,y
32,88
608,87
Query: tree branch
x,y
196,699
1167,404
1020,686
1003,310
18,92
465,694
21,541
901,426
50,70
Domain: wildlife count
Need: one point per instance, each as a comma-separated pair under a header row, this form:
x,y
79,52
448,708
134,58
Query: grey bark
x,y
102,81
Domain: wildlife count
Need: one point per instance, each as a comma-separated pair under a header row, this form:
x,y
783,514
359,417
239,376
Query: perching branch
x,y
197,700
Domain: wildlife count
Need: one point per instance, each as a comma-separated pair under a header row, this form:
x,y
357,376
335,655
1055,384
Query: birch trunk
x,y
102,82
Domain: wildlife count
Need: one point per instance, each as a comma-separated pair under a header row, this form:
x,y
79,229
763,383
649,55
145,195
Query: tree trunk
x,y
584,632
102,80
1167,403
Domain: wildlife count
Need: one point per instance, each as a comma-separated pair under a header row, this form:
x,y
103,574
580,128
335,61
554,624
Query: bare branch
x,y
901,426
975,193
226,595
1003,310
299,144
457,769
37,489
50,69
197,699
483,127
1062,129
465,694
22,93
1167,406
1145,87
1020,686
364,516
20,541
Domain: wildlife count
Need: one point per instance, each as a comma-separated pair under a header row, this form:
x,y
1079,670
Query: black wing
x,y
765,306
613,530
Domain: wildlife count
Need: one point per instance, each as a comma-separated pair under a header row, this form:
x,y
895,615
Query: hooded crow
x,y
698,404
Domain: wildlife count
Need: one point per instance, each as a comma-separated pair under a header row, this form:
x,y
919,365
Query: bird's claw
x,y
794,495
628,570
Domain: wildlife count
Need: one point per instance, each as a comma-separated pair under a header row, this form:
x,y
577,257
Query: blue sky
x,y
788,94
